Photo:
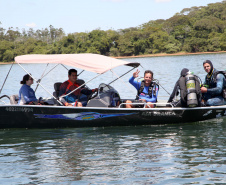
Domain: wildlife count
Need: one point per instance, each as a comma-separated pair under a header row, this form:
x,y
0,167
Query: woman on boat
x,y
147,89
26,93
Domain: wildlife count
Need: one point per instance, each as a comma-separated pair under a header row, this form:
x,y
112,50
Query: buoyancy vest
x,y
69,85
216,73
210,80
188,89
214,81
153,87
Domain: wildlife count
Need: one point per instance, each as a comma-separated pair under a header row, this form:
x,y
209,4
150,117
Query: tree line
x,y
195,29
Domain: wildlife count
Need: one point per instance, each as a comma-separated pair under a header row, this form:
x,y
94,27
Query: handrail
x,y
145,104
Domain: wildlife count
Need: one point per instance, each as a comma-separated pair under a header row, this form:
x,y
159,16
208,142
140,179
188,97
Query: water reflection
x,y
188,153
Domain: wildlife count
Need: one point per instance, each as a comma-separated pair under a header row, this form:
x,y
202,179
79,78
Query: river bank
x,y
155,55
166,54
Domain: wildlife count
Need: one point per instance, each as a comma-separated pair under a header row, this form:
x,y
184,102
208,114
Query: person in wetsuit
x,y
212,89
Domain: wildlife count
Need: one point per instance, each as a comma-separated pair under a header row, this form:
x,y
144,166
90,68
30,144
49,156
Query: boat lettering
x,y
209,112
19,109
154,113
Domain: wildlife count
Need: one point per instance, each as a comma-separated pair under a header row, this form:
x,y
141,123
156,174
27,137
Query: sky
x,y
87,15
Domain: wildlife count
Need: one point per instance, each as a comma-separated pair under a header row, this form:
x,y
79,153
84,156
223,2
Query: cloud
x,y
162,1
31,25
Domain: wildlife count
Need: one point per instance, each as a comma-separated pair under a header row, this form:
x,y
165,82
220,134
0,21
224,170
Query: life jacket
x,y
69,85
189,86
153,87
216,73
214,81
211,79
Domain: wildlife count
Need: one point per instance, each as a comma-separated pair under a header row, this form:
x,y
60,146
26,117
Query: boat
x,y
100,111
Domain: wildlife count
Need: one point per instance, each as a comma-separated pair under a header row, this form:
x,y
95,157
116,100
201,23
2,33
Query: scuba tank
x,y
192,100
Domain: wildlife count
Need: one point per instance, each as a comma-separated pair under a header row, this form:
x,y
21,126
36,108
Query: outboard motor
x,y
192,100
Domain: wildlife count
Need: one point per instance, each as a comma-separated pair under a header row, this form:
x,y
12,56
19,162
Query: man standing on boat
x,y
147,89
70,85
214,85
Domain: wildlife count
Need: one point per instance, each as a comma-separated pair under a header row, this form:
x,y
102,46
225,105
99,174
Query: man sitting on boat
x,y
147,90
26,93
70,85
188,86
213,88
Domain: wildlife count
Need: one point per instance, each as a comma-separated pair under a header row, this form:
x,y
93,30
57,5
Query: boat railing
x,y
146,104
1,101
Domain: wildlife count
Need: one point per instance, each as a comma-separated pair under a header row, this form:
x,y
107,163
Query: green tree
x,y
158,41
8,56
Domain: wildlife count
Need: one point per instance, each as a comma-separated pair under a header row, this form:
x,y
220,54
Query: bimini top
x,y
90,62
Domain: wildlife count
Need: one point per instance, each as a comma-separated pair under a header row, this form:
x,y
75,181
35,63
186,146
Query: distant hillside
x,y
195,29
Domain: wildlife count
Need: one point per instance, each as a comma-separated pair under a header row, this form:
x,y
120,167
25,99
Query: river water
x,y
192,153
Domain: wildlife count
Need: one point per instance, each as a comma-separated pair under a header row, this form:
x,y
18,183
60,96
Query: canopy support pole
x,y
50,70
6,78
64,67
80,86
39,80
68,69
120,79
158,82
40,84
81,72
120,76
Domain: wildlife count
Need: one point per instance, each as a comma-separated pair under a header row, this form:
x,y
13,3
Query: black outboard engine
x,y
107,97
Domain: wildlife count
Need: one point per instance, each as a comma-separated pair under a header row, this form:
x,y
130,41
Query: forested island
x,y
195,29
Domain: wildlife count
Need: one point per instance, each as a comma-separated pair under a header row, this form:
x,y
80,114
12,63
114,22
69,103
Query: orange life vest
x,y
72,84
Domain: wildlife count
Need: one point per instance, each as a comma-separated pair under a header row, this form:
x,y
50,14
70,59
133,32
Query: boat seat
x,y
80,82
57,89
14,99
